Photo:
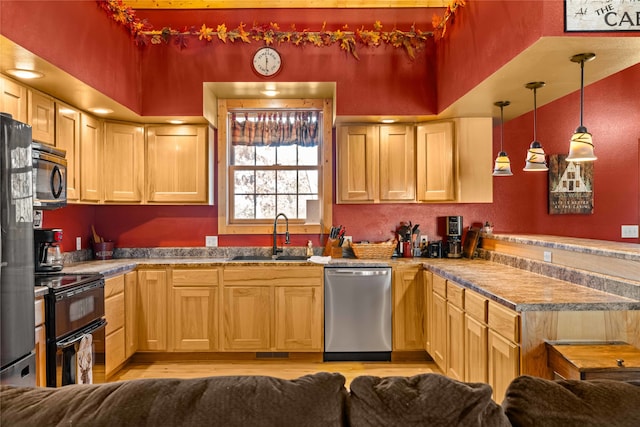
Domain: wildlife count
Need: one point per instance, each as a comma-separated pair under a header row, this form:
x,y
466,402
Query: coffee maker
x,y
48,256
454,237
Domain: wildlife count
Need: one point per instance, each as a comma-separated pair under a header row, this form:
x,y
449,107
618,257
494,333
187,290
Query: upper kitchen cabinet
x,y
435,162
376,164
177,164
123,162
41,115
13,99
68,139
474,149
91,159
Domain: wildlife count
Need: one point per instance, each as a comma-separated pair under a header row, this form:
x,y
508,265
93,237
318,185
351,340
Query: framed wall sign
x,y
570,186
602,15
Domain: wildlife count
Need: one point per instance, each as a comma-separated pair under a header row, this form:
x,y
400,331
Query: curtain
x,y
275,128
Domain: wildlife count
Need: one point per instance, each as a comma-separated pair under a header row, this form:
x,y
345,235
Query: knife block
x,y
332,248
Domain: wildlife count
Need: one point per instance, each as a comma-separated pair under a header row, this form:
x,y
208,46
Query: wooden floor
x,y
287,369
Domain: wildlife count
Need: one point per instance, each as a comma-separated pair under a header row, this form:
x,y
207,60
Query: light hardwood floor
x,y
287,369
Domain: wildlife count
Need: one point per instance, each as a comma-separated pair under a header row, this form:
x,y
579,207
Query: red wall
x,y
485,34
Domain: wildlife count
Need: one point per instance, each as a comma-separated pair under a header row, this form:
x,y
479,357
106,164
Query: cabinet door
x,y
247,318
123,166
68,139
114,351
439,331
397,164
130,313
435,162
455,342
357,176
177,164
474,142
41,357
475,343
152,310
407,309
504,364
41,116
298,318
90,159
427,277
13,99
195,325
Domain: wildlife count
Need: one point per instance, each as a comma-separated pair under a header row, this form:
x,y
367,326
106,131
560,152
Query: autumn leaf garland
x,y
411,40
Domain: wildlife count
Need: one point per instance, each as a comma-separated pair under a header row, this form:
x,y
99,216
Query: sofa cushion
x,y
421,400
532,401
311,400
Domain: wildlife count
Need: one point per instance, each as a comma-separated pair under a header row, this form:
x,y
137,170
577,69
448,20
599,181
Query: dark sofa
x,y
322,400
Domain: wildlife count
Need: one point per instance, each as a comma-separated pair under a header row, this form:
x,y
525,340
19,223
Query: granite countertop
x,y
517,289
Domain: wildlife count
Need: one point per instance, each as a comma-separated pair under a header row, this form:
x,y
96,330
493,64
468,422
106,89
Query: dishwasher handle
x,y
358,272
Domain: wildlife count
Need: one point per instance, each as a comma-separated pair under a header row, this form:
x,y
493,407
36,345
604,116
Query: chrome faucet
x,y
275,250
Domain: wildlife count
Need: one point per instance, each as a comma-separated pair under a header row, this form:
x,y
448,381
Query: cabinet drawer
x,y
114,312
194,277
476,306
455,295
114,351
504,321
114,286
440,285
39,311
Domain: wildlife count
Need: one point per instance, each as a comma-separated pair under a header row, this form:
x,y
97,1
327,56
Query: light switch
x,y
211,241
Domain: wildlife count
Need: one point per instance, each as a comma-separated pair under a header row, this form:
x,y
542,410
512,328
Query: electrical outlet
x,y
78,243
547,256
629,231
211,241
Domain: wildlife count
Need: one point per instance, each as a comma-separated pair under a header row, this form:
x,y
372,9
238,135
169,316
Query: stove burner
x,y
60,282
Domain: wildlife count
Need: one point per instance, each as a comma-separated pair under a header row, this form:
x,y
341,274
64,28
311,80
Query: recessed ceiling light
x,y
176,122
101,110
270,92
387,121
24,74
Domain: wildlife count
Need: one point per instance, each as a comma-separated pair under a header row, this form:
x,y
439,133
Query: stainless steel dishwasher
x,y
357,313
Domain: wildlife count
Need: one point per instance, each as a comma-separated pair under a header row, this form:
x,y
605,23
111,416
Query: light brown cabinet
x,y
435,162
177,164
408,310
123,163
272,309
438,325
91,173
114,310
152,309
131,313
376,164
13,99
475,337
68,139
41,116
195,309
40,344
504,348
455,331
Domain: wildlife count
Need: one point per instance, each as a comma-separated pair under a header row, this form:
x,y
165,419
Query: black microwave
x,y
49,177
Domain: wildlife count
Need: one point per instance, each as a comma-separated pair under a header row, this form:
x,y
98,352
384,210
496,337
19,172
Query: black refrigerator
x,y
17,323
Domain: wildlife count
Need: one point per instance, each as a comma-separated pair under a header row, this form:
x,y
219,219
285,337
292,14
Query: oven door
x,y
80,356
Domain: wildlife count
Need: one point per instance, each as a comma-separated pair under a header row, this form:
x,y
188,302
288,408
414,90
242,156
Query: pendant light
x,y
581,147
535,155
503,164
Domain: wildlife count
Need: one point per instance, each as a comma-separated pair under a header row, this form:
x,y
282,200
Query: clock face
x,y
267,61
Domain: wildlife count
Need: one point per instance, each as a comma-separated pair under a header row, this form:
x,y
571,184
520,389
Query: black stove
x,y
61,282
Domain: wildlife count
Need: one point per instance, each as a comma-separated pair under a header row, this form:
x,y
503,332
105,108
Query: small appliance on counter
x,y
48,256
434,249
454,237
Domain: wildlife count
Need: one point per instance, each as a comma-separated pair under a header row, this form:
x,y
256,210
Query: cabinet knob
x,y
620,362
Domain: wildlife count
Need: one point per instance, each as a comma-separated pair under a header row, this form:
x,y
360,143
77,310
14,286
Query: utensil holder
x,y
332,248
103,250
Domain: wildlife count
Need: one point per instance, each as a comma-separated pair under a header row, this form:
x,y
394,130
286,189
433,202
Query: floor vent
x,y
272,355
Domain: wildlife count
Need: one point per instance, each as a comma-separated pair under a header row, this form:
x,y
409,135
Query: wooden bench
x,y
587,361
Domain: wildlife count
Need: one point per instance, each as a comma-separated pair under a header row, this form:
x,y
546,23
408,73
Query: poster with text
x,y
602,15
570,186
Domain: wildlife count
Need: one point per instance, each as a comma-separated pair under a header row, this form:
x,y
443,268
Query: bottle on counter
x,y
309,250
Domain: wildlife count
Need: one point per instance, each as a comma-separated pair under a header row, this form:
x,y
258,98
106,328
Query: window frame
x,y
325,167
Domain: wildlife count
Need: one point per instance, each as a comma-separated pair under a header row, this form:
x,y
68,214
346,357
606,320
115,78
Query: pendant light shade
x,y
581,146
536,160
502,165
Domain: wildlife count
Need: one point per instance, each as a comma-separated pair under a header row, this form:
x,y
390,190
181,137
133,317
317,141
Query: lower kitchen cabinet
x,y
114,309
427,278
475,337
504,364
272,309
152,309
455,332
131,313
41,344
195,309
408,310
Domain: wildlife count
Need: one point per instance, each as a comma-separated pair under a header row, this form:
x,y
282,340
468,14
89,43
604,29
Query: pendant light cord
x,y
581,91
501,128
535,113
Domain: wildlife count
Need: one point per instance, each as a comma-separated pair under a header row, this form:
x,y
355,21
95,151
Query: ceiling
x,y
546,60
275,4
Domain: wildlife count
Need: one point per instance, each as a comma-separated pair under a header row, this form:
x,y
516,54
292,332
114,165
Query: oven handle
x,y
76,337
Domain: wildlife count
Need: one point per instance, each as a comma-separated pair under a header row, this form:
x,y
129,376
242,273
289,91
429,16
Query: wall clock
x,y
267,61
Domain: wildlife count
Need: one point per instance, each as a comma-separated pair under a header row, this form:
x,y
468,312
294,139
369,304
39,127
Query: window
x,y
277,159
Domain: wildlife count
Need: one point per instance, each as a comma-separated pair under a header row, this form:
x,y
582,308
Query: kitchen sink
x,y
268,258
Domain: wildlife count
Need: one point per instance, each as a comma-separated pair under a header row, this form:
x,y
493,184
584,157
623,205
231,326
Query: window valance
x,y
275,128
